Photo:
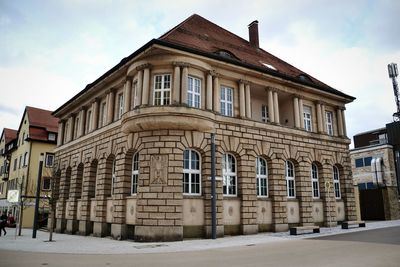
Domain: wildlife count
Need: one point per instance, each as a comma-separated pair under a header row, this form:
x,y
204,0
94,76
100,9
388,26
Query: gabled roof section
x,y
9,135
42,118
206,37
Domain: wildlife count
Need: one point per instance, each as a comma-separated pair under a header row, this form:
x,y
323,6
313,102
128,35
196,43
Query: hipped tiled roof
x,y
204,36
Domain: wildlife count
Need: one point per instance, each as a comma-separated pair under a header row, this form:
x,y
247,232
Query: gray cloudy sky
x,y
50,50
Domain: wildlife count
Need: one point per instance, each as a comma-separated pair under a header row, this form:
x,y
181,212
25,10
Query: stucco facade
x,y
125,150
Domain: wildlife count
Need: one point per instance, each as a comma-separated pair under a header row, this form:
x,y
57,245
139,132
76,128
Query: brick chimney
x,y
253,34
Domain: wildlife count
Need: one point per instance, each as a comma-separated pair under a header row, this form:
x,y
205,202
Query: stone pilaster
x,y
276,108
296,112
248,194
65,179
121,191
209,102
184,84
278,195
176,85
304,192
61,128
127,95
110,106
271,108
74,195
146,86
301,111
242,106
248,101
217,96
88,187
328,195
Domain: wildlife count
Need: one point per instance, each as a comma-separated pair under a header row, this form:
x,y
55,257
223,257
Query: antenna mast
x,y
393,73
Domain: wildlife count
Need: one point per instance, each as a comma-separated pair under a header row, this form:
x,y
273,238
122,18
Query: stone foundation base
x,y
101,229
61,224
85,228
119,231
158,233
72,227
282,227
250,229
330,224
220,231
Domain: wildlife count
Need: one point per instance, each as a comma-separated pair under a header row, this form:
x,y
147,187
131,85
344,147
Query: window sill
x,y
263,198
190,196
292,199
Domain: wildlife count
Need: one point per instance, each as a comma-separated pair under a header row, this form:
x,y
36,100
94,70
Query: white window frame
x,y
194,92
49,156
290,179
229,169
315,181
164,90
329,122
226,100
307,118
135,174
43,183
336,182
262,177
53,137
191,172
120,105
113,175
264,113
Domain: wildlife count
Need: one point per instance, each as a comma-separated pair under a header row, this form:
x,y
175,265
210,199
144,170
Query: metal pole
x,y
35,219
213,193
21,208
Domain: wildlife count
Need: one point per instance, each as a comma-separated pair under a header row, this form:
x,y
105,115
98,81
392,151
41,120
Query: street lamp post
x,y
37,198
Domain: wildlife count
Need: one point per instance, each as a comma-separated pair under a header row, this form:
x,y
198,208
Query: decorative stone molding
x,y
158,169
143,66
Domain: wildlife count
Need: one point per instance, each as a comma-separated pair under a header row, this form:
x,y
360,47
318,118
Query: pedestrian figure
x,y
3,222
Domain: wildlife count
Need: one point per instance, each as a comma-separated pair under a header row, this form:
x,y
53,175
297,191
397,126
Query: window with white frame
x,y
49,161
135,174
329,122
290,179
113,176
46,184
26,159
229,175
336,182
120,106
51,137
264,113
162,89
191,172
262,177
194,92
315,180
226,101
307,118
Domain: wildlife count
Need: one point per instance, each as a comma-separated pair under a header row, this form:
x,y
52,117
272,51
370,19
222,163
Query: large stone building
x,y
134,147
22,150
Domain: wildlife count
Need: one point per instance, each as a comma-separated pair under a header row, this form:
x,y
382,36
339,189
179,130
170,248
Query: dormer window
x,y
305,78
52,137
226,54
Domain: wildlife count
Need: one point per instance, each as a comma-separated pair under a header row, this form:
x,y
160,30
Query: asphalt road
x,y
368,248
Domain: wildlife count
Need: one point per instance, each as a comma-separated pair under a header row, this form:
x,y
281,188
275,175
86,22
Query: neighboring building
x,y
374,173
8,143
36,137
134,147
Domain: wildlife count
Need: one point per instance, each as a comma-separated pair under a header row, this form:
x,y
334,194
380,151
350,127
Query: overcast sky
x,y
50,50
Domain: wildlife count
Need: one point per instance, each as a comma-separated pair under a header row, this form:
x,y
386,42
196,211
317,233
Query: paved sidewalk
x,y
75,244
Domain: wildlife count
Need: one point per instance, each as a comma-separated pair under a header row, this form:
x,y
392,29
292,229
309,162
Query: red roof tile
x,y
198,33
42,118
9,134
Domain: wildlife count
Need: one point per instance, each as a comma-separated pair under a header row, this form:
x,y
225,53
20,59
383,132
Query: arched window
x,y
336,182
262,177
191,172
290,183
314,180
113,176
229,175
135,174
